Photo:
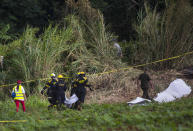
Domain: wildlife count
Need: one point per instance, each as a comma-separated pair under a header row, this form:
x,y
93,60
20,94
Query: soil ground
x,y
160,80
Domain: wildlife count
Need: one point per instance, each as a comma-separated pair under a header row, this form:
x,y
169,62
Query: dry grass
x,y
113,87
122,87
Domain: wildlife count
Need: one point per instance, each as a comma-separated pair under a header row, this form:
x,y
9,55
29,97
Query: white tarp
x,y
71,100
177,89
138,100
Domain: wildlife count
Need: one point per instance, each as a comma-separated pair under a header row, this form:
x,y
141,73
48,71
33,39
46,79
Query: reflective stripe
x,y
19,93
81,81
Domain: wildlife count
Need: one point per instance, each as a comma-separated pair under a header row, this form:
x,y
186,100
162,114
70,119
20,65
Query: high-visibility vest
x,y
19,93
83,80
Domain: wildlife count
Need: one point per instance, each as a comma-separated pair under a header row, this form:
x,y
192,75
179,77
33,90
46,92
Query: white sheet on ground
x,y
138,100
71,100
177,89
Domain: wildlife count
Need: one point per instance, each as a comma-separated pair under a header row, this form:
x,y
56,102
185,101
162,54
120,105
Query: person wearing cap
x,y
50,86
79,88
20,96
60,89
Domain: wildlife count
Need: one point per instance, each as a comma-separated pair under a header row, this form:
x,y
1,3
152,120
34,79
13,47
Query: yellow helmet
x,y
81,73
60,76
53,75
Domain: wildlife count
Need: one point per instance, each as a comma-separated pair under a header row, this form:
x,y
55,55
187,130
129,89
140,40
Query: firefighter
x,y
79,89
60,89
50,86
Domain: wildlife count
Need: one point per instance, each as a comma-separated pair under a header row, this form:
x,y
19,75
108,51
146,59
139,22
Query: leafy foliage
x,y
75,45
36,13
122,14
40,13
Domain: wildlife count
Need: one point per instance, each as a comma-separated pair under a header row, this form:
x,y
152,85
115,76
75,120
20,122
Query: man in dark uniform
x,y
50,86
60,91
145,83
79,89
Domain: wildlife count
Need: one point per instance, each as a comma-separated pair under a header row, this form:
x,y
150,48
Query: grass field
x,y
167,116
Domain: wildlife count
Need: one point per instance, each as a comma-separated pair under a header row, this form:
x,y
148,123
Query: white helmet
x,y
53,75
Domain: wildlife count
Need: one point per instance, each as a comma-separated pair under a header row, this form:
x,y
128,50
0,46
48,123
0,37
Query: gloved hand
x,y
42,92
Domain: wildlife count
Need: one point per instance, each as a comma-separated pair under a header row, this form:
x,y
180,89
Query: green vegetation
x,y
165,35
79,43
168,116
38,37
82,41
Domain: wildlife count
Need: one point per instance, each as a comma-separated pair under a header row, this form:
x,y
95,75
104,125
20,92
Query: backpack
x,y
13,94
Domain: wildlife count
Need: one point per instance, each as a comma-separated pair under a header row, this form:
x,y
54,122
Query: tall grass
x,y
38,57
165,35
74,45
96,38
4,36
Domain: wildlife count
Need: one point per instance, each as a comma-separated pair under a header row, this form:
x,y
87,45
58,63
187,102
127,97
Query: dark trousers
x,y
145,92
81,93
60,98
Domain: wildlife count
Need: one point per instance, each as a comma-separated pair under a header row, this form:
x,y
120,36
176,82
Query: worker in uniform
x,y
145,83
19,95
60,89
79,89
50,86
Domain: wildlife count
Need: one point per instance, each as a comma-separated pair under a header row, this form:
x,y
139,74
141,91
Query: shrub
x,y
165,35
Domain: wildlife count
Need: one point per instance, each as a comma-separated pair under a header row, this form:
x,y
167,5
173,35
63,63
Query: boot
x,y
79,107
50,106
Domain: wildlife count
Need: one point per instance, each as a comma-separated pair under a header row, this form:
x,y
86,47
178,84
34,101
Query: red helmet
x,y
19,81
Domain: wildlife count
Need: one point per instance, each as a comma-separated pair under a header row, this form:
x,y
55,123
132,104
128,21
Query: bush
x,y
74,45
165,35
